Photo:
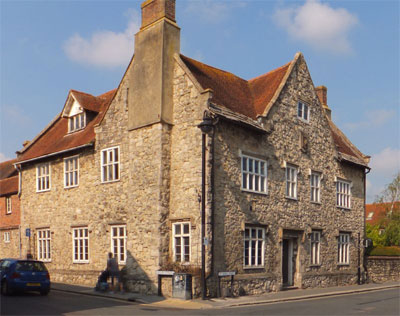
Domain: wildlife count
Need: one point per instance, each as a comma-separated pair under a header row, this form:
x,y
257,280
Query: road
x,y
382,302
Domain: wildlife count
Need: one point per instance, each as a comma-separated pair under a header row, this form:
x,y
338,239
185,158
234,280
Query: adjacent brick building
x,y
9,211
122,172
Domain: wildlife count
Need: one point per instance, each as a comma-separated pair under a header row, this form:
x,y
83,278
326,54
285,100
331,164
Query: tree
x,y
387,231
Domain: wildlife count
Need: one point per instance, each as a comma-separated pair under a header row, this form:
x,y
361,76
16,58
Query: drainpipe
x,y
19,168
366,171
212,189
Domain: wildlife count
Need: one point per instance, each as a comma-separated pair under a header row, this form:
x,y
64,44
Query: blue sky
x,y
352,47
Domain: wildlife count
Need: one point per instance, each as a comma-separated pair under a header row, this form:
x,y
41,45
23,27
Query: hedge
x,y
385,251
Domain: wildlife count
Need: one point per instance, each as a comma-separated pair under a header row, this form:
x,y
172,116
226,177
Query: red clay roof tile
x,y
9,186
57,138
7,169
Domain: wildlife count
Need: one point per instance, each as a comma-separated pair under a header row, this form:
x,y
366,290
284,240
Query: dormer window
x,y
77,122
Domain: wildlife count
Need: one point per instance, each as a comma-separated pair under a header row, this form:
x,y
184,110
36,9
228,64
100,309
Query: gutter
x,y
54,154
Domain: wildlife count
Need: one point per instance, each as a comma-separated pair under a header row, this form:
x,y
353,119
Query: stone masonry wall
x,y
383,269
236,208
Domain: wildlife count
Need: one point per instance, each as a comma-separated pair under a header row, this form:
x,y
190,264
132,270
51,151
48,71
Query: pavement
x,y
267,298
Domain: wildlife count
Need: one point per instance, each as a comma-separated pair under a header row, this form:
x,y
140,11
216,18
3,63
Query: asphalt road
x,y
383,302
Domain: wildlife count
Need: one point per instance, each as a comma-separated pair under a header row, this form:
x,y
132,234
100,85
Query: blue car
x,y
23,275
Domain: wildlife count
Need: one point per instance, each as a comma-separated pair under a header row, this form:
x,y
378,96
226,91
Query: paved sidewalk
x,y
274,297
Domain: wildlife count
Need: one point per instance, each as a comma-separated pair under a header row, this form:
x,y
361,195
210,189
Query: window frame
x,y
118,239
69,172
315,248
247,253
8,205
77,118
343,199
110,164
6,237
40,177
182,245
304,106
315,189
43,237
85,239
290,184
256,176
343,249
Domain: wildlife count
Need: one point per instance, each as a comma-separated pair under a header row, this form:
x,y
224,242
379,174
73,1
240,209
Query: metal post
x,y
203,218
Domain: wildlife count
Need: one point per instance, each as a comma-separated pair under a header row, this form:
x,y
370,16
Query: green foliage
x,y
392,233
372,232
385,251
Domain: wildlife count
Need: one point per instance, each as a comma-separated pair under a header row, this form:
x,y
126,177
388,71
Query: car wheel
x,y
44,292
5,290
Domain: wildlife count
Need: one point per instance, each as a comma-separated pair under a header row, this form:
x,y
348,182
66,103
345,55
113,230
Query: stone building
x,y
10,233
122,172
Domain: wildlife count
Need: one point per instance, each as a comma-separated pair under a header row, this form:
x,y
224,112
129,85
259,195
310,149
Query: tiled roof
x,y
252,98
55,138
7,169
9,186
376,212
87,101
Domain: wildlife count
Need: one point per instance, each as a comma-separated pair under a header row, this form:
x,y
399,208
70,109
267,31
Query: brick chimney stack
x,y
322,94
153,10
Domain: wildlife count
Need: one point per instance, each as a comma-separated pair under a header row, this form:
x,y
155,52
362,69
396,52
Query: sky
x,y
351,47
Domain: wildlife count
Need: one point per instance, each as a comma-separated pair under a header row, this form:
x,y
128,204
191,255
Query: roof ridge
x,y
225,71
81,92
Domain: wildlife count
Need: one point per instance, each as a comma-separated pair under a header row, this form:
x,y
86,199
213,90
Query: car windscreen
x,y
30,266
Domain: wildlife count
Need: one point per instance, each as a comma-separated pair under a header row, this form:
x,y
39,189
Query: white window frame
x,y
178,239
77,122
291,181
303,111
8,205
315,187
118,242
343,194
344,249
253,241
80,245
109,165
315,247
254,174
71,175
6,237
44,244
41,184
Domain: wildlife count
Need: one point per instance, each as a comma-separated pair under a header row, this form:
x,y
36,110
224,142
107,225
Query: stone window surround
x,y
316,188
71,172
76,240
6,237
315,247
181,235
43,236
250,227
292,182
77,122
8,205
343,193
118,239
343,257
303,115
260,159
108,164
41,179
